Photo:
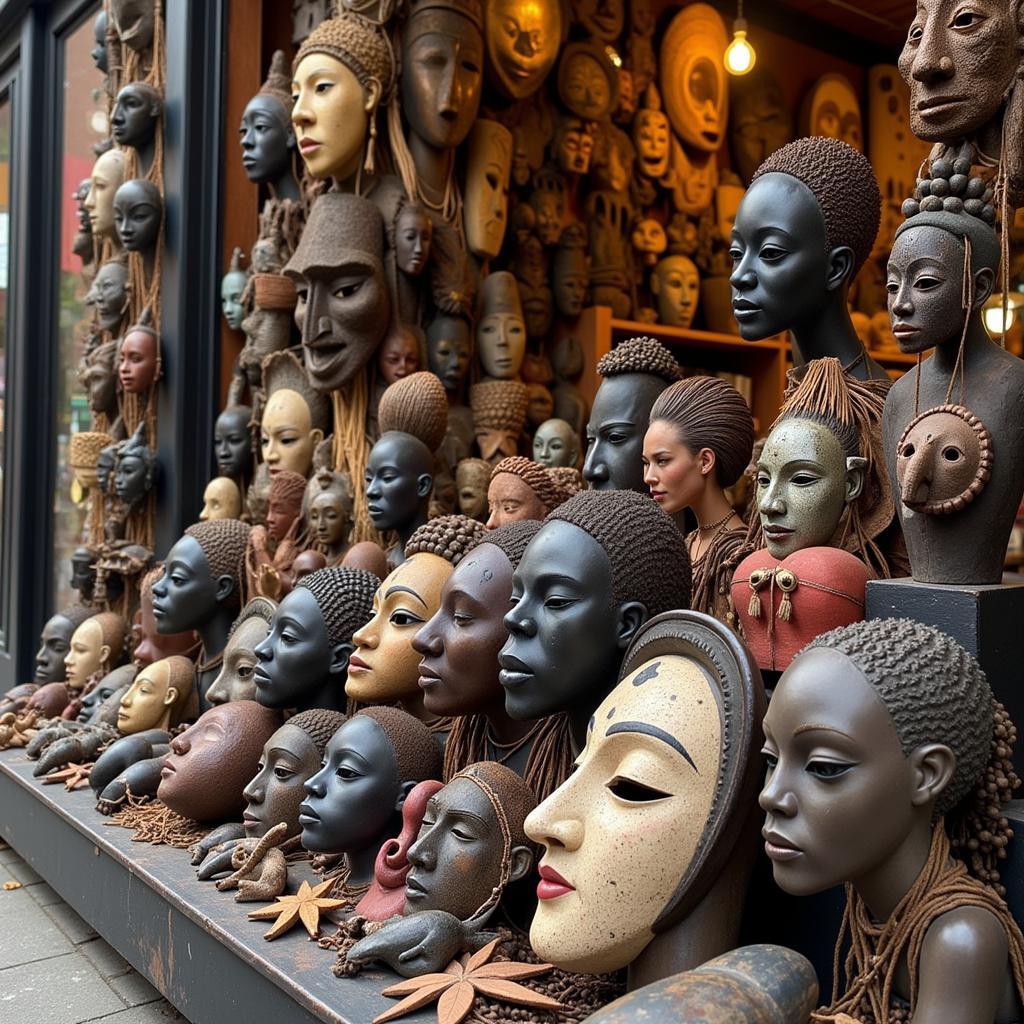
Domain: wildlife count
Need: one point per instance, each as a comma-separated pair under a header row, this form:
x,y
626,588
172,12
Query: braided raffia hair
x,y
569,479
357,43
344,597
256,608
415,405
639,355
288,488
319,724
844,186
85,446
710,413
646,551
223,542
499,404
511,538
417,754
451,537
935,692
536,477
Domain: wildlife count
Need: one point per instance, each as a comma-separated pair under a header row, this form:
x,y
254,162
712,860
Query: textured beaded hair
x,y
319,725
512,539
223,542
499,404
710,413
644,547
257,608
357,43
536,477
344,597
451,537
639,355
417,755
415,405
842,183
287,488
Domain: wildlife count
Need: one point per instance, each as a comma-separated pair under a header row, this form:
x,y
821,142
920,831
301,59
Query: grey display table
x,y
193,943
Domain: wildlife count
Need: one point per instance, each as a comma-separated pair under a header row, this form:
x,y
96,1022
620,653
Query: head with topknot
x,y
415,405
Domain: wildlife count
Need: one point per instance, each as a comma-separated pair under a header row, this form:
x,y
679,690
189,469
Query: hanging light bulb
x,y
739,55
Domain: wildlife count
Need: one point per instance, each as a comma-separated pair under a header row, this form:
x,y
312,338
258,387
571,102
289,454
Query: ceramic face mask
x,y
286,433
574,146
137,367
235,681
649,240
502,343
692,76
651,138
385,667
834,111
414,231
221,500
231,287
133,121
132,479
106,178
133,22
675,284
54,644
556,444
943,460
148,702
804,483
587,82
522,38
231,441
650,767
267,139
274,795
329,519
86,655
471,479
449,349
487,178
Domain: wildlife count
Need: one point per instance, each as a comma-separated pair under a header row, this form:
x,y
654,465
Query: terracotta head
x,y
521,489
399,354
285,503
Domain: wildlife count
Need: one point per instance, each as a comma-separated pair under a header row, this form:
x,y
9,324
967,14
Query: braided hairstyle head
x,y
415,405
319,725
511,539
639,355
288,489
223,542
935,692
256,608
417,755
710,413
450,537
344,597
536,477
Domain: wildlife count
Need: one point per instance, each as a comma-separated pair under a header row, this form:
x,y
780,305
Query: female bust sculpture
x,y
236,680
267,137
901,722
295,417
699,442
521,490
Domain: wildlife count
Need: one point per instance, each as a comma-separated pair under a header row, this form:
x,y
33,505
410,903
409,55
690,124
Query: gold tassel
x,y
369,164
787,581
758,578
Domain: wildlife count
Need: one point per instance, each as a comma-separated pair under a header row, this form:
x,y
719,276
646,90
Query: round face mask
x,y
108,294
329,519
236,680
676,284
231,288
267,138
221,500
138,210
456,860
449,349
522,44
329,116
232,444
943,460
385,667
556,444
133,122
510,500
804,482
586,82
442,66
650,767
603,19
148,702
137,368
107,176
501,341
85,655
54,644
289,758
286,435
651,138
351,802
414,231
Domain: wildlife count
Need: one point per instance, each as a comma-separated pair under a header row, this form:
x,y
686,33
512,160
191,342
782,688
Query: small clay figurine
x,y
232,287
633,375
211,762
303,660
501,330
499,414
267,137
133,122
472,477
236,680
383,668
108,294
699,442
55,643
295,416
139,357
522,44
232,443
671,751
635,566
906,714
556,444
221,500
106,178
488,168
520,490
159,696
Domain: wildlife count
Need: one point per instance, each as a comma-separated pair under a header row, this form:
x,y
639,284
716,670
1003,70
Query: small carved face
x,y
399,355
289,758
231,288
268,139
943,460
236,679
232,445
556,444
109,294
221,500
651,138
134,22
281,513
471,479
575,147
86,654
522,43
449,349
132,479
501,341
148,701
676,286
137,368
759,123
835,111
106,178
54,644
133,121
548,207
585,87
602,19
329,519
413,233
649,239
959,60
540,405
286,434
487,178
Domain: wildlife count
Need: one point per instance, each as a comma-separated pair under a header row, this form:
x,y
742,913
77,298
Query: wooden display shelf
x,y
765,362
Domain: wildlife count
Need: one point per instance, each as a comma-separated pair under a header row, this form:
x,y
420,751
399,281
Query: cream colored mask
x,y
87,654
149,701
221,500
286,433
675,284
106,178
487,176
384,667
648,770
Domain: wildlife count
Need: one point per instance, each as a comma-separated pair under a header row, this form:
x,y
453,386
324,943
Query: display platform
x,y
193,943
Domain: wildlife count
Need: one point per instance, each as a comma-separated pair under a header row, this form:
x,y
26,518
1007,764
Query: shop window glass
x,y
85,123
5,237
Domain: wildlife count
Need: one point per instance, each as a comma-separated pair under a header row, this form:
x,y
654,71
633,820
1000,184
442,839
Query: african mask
x,y
232,443
236,680
136,111
692,76
831,109
943,460
344,305
231,288
135,469
54,644
487,176
157,696
649,240
221,500
139,353
588,84
547,200
556,444
501,331
150,645
574,145
106,178
522,38
651,136
87,654
471,479
134,21
413,235
399,481
108,294
97,375
266,133
602,19
760,121
959,65
287,436
330,519
675,284
99,51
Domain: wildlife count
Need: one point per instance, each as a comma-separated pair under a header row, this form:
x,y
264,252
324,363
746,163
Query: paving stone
x,y
133,989
8,855
27,933
62,990
23,873
44,895
152,1013
69,923
104,958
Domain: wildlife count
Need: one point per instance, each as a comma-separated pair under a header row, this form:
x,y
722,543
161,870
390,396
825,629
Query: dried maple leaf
x,y
304,906
462,980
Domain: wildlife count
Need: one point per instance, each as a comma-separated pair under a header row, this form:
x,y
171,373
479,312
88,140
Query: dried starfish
x,y
460,984
74,776
304,906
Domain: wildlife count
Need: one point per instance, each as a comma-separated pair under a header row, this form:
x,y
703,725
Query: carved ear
x,y
424,484
225,588
984,282
933,765
317,434
104,653
171,696
840,267
373,93
856,471
340,654
522,861
632,615
404,790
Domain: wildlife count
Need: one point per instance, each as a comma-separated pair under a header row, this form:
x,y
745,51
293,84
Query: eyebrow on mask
x,y
659,734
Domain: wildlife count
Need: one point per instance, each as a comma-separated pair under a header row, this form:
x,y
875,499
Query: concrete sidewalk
x,y
54,969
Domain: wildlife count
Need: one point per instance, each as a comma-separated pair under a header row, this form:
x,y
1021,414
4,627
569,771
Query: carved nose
x,y
917,477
